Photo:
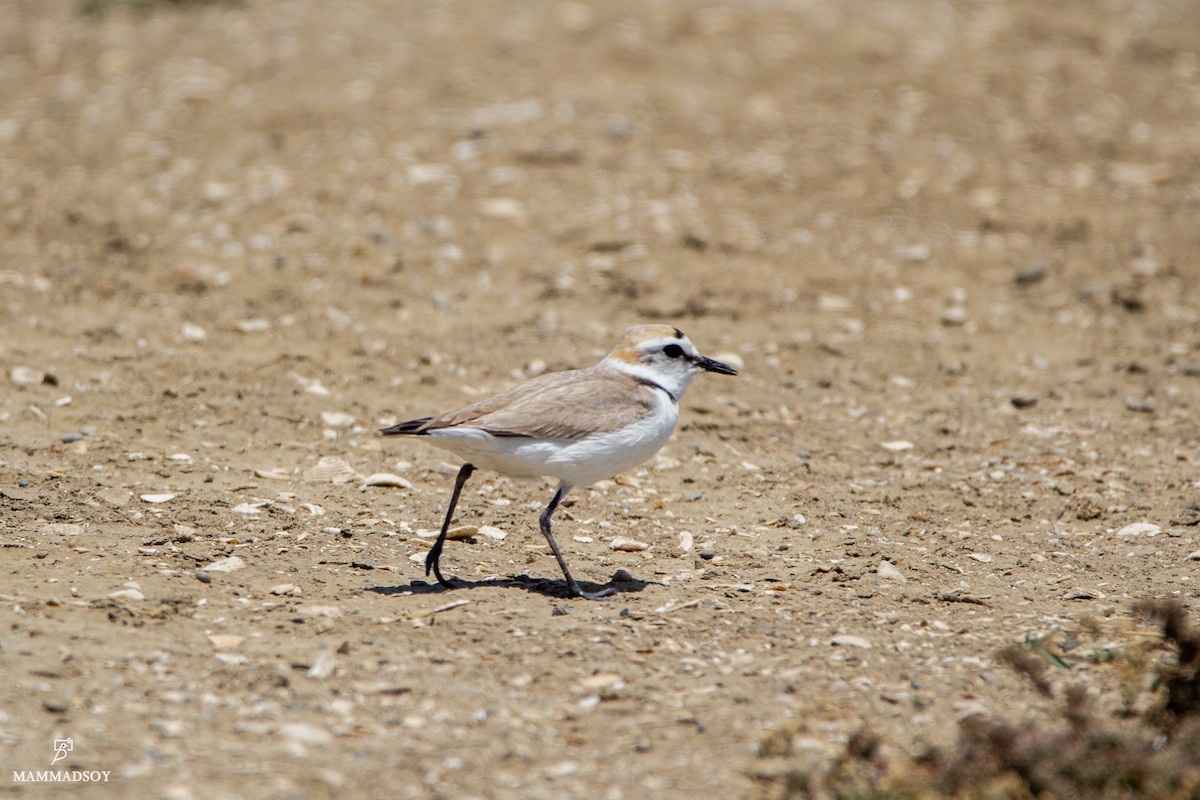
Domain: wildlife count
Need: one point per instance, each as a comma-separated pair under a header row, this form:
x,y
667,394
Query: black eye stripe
x,y
673,351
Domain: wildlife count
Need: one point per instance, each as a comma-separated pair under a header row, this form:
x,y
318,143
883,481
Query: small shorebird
x,y
578,426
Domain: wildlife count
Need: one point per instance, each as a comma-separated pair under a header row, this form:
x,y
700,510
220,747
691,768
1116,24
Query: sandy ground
x,y
954,244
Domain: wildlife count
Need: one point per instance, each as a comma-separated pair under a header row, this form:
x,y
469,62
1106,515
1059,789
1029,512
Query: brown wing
x,y
567,406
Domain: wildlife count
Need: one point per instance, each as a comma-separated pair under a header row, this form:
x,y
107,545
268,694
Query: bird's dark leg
x,y
435,553
545,522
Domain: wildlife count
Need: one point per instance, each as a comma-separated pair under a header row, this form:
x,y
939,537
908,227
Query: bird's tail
x,y
413,426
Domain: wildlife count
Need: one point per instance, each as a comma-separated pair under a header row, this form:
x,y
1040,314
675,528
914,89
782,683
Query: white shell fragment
x,y
331,469
26,375
337,419
897,446
249,508
387,479
271,474
627,545
492,533
165,497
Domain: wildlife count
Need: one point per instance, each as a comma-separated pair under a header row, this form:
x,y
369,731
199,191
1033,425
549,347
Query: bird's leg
x,y
545,523
435,552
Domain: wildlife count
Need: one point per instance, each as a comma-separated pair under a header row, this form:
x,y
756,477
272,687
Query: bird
x,y
578,426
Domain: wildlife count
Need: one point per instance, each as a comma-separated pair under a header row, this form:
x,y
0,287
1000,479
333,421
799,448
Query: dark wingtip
x,y
413,426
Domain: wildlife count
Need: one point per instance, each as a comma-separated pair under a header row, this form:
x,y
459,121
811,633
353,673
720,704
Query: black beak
x,y
706,363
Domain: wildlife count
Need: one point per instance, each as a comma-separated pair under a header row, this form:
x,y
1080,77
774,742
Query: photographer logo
x,y
61,748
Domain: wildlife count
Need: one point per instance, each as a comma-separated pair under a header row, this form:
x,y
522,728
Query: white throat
x,y
673,382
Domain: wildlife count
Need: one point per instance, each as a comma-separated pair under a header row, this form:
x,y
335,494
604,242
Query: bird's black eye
x,y
673,351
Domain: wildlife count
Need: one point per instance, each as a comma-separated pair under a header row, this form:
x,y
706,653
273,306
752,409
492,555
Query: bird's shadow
x,y
543,586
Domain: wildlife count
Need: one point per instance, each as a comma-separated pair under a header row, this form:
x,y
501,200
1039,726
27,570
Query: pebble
x,y
687,542
127,594
337,419
323,666
627,545
226,641
708,554
1140,529
846,640
117,498
559,611
1194,556
193,334
72,437
286,588
888,571
492,532
329,612
62,529
203,577
1030,274
1023,400
694,496
982,558
26,375
301,733
230,564
1138,405
164,497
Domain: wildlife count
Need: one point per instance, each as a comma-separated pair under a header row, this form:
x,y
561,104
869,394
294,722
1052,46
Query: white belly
x,y
578,463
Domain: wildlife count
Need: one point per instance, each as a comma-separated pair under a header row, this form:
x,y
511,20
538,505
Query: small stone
x,y
26,375
1140,529
627,545
72,437
203,577
1194,556
687,542
982,558
888,572
328,612
337,419
230,564
226,641
954,315
846,640
708,554
623,576
1139,405
323,666
127,594
605,684
1030,274
62,529
492,532
1023,400
164,497
694,496
559,611
286,588
117,498
301,733
193,334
